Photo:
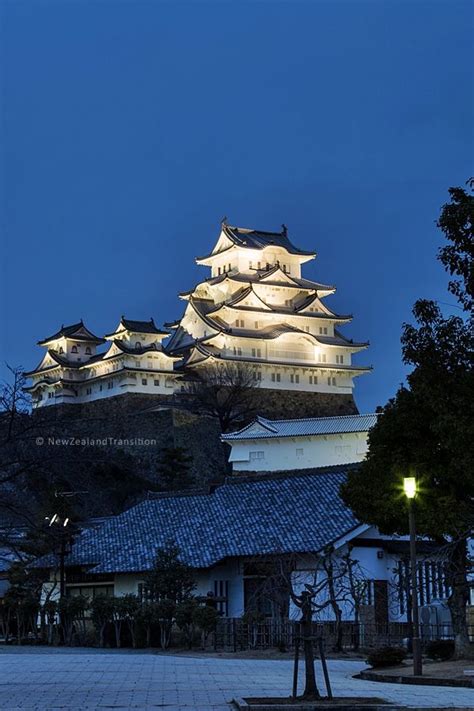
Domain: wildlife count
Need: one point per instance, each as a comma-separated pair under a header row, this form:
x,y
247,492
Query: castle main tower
x,y
257,308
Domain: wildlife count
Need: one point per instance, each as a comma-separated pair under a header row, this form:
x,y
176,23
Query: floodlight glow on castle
x,y
255,308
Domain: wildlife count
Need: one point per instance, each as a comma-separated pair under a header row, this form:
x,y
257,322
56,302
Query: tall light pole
x,y
60,525
409,487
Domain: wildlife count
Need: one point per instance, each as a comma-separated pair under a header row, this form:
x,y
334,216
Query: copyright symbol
x,y
39,441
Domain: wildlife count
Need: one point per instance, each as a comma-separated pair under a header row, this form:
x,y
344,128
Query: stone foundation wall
x,y
289,404
152,422
148,423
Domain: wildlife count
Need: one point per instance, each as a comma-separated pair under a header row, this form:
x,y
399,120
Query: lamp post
x,y
409,487
60,525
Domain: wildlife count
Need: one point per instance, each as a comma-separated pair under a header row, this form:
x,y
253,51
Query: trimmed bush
x,y
386,657
442,649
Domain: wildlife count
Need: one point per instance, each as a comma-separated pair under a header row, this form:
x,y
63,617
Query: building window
x,y
221,592
331,381
256,324
339,359
323,330
240,323
306,328
74,349
110,384
250,265
230,267
299,452
50,395
322,357
144,381
218,270
259,265
257,455
138,345
100,388
258,375
294,378
61,349
156,381
88,351
276,377
88,391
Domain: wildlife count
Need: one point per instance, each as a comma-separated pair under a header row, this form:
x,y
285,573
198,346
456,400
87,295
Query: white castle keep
x,y
255,308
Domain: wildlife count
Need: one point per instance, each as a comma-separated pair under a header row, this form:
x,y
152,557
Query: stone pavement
x,y
96,679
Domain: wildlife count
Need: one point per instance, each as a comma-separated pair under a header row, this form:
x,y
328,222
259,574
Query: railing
x,y
233,634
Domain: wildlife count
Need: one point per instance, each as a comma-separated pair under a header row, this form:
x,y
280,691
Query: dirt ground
x,y
437,670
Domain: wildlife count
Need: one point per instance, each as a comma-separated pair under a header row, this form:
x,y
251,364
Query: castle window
x,y
313,379
230,267
156,381
259,265
100,388
74,349
299,452
276,377
88,391
322,357
331,381
256,324
218,270
339,359
138,344
144,381
110,384
306,328
61,350
257,455
50,395
88,351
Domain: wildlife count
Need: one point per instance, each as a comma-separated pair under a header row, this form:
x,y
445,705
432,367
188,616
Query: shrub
x,y
386,657
440,649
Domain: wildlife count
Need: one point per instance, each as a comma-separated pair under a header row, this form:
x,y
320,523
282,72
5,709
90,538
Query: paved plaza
x,y
96,679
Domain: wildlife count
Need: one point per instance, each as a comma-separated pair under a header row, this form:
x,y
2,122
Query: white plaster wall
x,y
298,452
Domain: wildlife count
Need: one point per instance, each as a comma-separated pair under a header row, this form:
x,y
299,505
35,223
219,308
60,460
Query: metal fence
x,y
236,635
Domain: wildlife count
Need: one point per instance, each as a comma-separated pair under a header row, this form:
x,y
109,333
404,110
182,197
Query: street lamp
x,y
410,489
60,525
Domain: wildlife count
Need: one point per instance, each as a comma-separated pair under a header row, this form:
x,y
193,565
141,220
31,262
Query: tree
x,y
169,583
225,391
174,469
457,223
102,608
425,430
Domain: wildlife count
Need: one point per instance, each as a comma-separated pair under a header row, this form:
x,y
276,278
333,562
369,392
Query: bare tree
x,y
314,583
225,391
14,402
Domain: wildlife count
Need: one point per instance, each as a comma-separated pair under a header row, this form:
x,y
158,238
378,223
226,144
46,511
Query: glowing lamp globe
x,y
409,487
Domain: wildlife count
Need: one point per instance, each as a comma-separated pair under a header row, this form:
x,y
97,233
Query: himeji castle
x,y
257,308
72,371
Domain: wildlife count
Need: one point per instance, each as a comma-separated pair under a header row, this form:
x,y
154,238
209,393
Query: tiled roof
x,y
261,428
71,332
297,513
128,324
258,239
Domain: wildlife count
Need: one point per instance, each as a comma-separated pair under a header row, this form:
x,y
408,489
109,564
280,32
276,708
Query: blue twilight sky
x,y
130,128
